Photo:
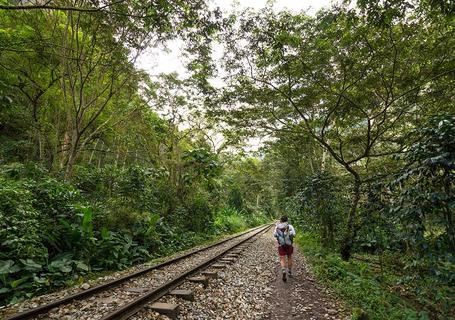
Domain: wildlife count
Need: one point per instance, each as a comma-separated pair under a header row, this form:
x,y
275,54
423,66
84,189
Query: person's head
x,y
284,219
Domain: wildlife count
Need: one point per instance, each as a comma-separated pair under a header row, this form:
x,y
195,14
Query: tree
x,y
353,87
85,53
424,191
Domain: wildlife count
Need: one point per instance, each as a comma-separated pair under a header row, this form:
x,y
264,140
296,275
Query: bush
x,y
229,220
55,233
256,218
20,223
371,293
48,238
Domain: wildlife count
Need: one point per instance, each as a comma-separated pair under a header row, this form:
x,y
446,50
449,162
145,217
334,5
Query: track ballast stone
x,y
251,288
104,302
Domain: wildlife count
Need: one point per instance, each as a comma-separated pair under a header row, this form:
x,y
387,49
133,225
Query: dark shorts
x,y
285,250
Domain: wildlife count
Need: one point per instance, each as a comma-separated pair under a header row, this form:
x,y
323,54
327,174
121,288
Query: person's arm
x,y
291,231
274,232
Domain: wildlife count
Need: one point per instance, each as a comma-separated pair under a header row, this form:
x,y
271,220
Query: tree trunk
x,y
448,212
324,159
330,232
348,241
72,155
101,155
93,151
70,164
40,144
117,156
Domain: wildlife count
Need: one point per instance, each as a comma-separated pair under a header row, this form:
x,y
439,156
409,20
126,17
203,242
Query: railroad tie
x,y
210,274
183,293
168,309
137,290
202,280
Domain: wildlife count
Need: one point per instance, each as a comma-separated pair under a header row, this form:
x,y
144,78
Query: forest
x,y
104,166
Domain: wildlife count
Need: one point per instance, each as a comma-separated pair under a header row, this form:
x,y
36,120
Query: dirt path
x,y
301,297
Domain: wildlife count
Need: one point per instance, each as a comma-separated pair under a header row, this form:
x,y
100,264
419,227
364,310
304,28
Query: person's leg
x,y
290,264
283,263
289,253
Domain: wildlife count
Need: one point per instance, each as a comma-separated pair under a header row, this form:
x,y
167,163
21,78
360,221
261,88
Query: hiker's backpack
x,y
283,236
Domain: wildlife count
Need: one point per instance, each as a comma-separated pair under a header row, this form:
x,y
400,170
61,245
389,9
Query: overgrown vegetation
x,y
359,101
403,262
96,170
376,288
56,234
103,166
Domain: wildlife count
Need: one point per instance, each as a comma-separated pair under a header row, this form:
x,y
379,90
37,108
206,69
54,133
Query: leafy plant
x,y
229,220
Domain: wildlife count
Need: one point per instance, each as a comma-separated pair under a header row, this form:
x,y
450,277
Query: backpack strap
x,y
280,234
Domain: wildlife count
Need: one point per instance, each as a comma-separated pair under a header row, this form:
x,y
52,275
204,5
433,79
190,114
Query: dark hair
x,y
284,219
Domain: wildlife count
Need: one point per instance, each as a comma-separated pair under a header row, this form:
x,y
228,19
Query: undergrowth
x,y
373,292
55,234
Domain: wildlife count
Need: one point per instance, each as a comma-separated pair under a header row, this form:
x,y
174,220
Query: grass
x,y
372,292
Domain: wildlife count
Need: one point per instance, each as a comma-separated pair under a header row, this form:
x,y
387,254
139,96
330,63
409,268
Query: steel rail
x,y
27,314
136,305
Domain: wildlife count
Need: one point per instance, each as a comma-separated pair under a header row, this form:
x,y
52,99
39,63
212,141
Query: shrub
x,y
229,220
20,223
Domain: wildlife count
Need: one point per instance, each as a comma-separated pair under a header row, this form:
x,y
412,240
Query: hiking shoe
x,y
284,276
290,274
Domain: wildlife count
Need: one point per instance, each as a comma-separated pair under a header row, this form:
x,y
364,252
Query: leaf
x,y
18,282
5,266
62,263
65,268
81,265
42,280
87,225
31,265
105,234
4,290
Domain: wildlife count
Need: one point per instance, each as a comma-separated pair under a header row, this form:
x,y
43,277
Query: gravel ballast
x,y
104,302
251,288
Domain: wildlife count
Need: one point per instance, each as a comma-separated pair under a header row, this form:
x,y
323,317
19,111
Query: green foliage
x,y
257,218
424,196
20,228
320,205
54,234
202,162
235,199
229,220
372,292
48,238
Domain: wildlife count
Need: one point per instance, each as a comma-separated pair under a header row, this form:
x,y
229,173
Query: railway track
x,y
125,296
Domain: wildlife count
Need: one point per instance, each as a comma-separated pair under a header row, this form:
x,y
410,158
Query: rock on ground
x,y
252,288
301,297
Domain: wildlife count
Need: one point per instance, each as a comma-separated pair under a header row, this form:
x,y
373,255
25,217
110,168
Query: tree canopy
x,y
354,105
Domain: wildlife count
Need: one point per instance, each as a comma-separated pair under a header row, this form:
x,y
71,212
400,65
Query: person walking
x,y
284,233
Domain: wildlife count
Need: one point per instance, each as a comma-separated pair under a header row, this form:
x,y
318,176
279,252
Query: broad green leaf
x,y
18,282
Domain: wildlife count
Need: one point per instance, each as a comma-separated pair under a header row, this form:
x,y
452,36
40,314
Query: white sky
x,y
159,60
